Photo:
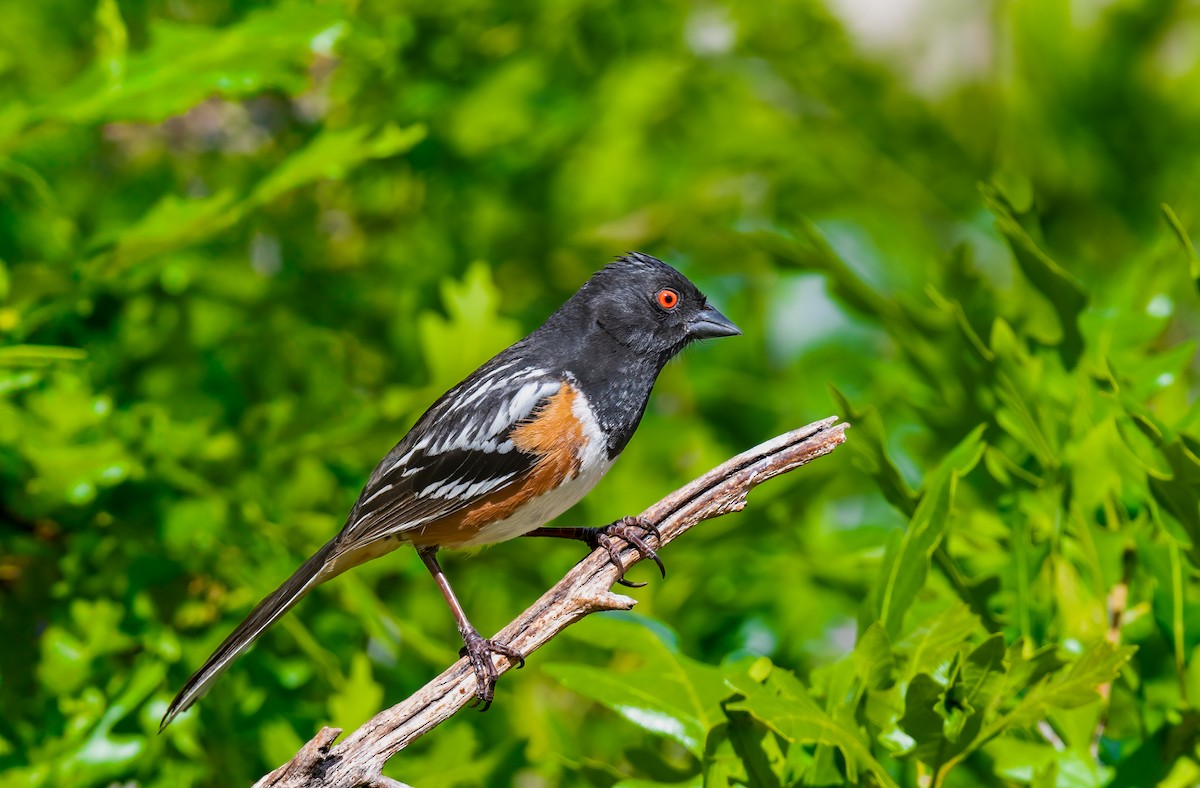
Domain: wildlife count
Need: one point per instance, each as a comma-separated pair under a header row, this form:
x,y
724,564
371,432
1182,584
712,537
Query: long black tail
x,y
312,573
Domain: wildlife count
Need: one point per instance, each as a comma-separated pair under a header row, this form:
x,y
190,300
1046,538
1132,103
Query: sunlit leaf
x,y
944,719
176,222
332,154
668,694
872,657
1061,289
784,705
1185,241
871,451
186,64
359,699
475,328
38,355
1074,686
756,747
906,564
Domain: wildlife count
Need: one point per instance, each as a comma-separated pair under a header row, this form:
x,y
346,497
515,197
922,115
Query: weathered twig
x,y
587,588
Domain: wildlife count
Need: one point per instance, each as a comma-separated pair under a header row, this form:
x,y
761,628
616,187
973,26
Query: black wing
x,y
457,453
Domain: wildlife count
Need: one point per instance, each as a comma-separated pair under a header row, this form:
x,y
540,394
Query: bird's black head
x,y
648,306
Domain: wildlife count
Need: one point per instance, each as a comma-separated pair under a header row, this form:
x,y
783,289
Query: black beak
x,y
709,324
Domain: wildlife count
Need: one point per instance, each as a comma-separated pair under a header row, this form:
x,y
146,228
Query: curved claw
x,y
623,529
646,550
480,650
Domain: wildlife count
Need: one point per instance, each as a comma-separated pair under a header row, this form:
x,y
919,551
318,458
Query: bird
x,y
515,444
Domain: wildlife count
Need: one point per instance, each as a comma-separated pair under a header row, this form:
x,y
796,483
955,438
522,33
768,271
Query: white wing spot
x,y
404,460
480,389
378,493
450,488
479,488
429,491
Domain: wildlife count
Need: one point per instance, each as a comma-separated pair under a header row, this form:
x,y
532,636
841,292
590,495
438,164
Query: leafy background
x,y
243,245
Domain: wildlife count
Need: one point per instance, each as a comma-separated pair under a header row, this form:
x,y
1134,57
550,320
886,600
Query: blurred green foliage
x,y
244,245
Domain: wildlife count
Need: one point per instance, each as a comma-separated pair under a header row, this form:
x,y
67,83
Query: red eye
x,y
667,298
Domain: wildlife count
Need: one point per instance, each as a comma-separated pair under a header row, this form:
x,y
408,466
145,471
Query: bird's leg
x,y
626,528
476,647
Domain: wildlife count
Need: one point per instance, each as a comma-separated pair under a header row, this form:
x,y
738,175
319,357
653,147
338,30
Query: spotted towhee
x,y
514,445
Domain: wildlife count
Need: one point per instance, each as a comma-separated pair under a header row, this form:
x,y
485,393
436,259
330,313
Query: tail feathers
x,y
279,602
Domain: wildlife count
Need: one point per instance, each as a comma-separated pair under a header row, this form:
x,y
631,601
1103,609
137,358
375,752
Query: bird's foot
x,y
628,528
480,650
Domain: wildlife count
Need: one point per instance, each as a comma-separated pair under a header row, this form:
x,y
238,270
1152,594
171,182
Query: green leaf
x,y
757,748
186,64
813,250
922,722
906,564
1180,494
1186,242
473,329
333,154
933,641
112,39
723,767
976,688
38,355
1026,762
175,222
873,658
1069,688
944,720
73,471
1072,687
1061,289
191,524
92,750
870,450
1017,390
785,706
454,758
359,699
695,782
669,694
669,714
1027,669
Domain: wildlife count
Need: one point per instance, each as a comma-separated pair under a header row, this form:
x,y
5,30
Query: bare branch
x,y
359,759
